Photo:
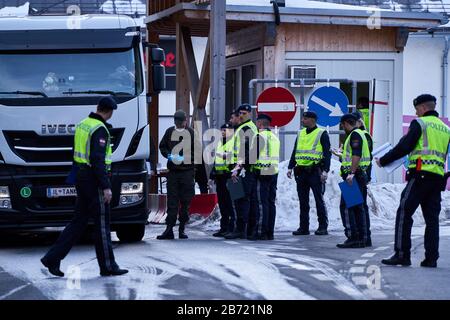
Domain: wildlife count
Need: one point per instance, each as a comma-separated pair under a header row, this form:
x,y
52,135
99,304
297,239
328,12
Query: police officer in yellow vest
x,y
310,161
244,153
266,173
362,126
363,108
427,145
355,161
220,173
92,157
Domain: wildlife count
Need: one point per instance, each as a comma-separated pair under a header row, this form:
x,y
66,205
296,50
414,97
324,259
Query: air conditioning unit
x,y
302,72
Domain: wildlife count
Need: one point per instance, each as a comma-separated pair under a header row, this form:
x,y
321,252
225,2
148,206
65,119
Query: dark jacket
x,y
326,146
406,145
249,147
98,153
168,143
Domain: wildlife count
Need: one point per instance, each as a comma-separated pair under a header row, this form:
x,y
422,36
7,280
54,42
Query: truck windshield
x,y
69,74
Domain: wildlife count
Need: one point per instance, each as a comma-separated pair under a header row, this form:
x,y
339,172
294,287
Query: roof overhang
x,y
198,16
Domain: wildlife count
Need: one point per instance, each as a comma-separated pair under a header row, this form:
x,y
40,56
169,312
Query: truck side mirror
x,y
157,57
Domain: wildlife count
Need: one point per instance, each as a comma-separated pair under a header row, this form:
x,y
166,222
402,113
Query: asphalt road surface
x,y
203,267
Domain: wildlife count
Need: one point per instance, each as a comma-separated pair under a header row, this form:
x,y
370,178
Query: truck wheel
x,y
130,232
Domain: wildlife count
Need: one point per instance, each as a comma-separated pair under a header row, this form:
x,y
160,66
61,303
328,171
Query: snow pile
x,y
15,11
383,201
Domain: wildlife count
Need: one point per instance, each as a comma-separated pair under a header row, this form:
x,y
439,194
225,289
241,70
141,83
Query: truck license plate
x,y
61,192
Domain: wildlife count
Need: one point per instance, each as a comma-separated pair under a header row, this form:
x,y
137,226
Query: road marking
x,y
10,293
381,248
360,280
231,242
362,261
299,266
321,277
369,255
376,294
357,270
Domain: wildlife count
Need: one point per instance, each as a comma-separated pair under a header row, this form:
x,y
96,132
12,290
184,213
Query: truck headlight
x,y
131,192
5,198
132,188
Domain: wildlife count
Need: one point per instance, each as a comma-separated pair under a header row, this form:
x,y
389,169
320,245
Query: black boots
x,y
167,234
53,269
396,260
428,263
349,243
115,272
181,234
300,232
321,232
220,234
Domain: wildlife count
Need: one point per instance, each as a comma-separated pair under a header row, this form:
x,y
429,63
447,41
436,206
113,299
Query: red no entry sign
x,y
279,103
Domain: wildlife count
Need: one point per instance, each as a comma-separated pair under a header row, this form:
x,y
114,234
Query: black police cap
x,y
424,98
107,103
263,116
244,107
227,126
310,114
235,113
357,115
348,116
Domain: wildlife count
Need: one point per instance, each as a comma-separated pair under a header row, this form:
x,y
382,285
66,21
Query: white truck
x,y
53,71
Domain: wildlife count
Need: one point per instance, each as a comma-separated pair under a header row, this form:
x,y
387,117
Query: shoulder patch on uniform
x,y
102,142
355,143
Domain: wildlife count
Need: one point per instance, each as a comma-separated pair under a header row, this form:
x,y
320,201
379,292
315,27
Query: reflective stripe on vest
x,y
309,150
237,137
432,147
347,155
269,156
220,164
82,142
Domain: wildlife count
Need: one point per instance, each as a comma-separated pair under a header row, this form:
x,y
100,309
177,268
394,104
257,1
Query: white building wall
x,y
422,72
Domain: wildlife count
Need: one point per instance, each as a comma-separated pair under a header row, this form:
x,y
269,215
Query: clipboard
x,y
351,194
236,190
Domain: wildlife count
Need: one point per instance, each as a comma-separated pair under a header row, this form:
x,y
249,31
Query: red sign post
x,y
279,103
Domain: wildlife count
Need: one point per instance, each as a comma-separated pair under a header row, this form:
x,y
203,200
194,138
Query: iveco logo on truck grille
x,y
58,129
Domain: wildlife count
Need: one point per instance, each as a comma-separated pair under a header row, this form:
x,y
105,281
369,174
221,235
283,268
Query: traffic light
x,y
157,56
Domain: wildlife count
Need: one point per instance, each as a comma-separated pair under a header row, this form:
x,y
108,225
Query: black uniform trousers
x,y
89,205
356,219
227,214
426,193
243,205
263,205
180,191
309,179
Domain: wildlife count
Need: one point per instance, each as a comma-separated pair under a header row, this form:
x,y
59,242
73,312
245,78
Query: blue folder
x,y
72,177
351,194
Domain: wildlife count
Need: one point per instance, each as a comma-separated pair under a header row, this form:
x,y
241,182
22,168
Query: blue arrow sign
x,y
330,104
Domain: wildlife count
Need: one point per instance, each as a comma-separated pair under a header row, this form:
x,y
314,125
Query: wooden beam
x,y
183,100
190,63
218,62
401,37
203,89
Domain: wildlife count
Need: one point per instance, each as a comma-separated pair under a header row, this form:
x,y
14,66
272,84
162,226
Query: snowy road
x,y
203,267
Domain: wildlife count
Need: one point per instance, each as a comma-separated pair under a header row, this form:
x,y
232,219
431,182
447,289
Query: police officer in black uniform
x,y
427,145
178,147
93,197
312,176
362,126
221,173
